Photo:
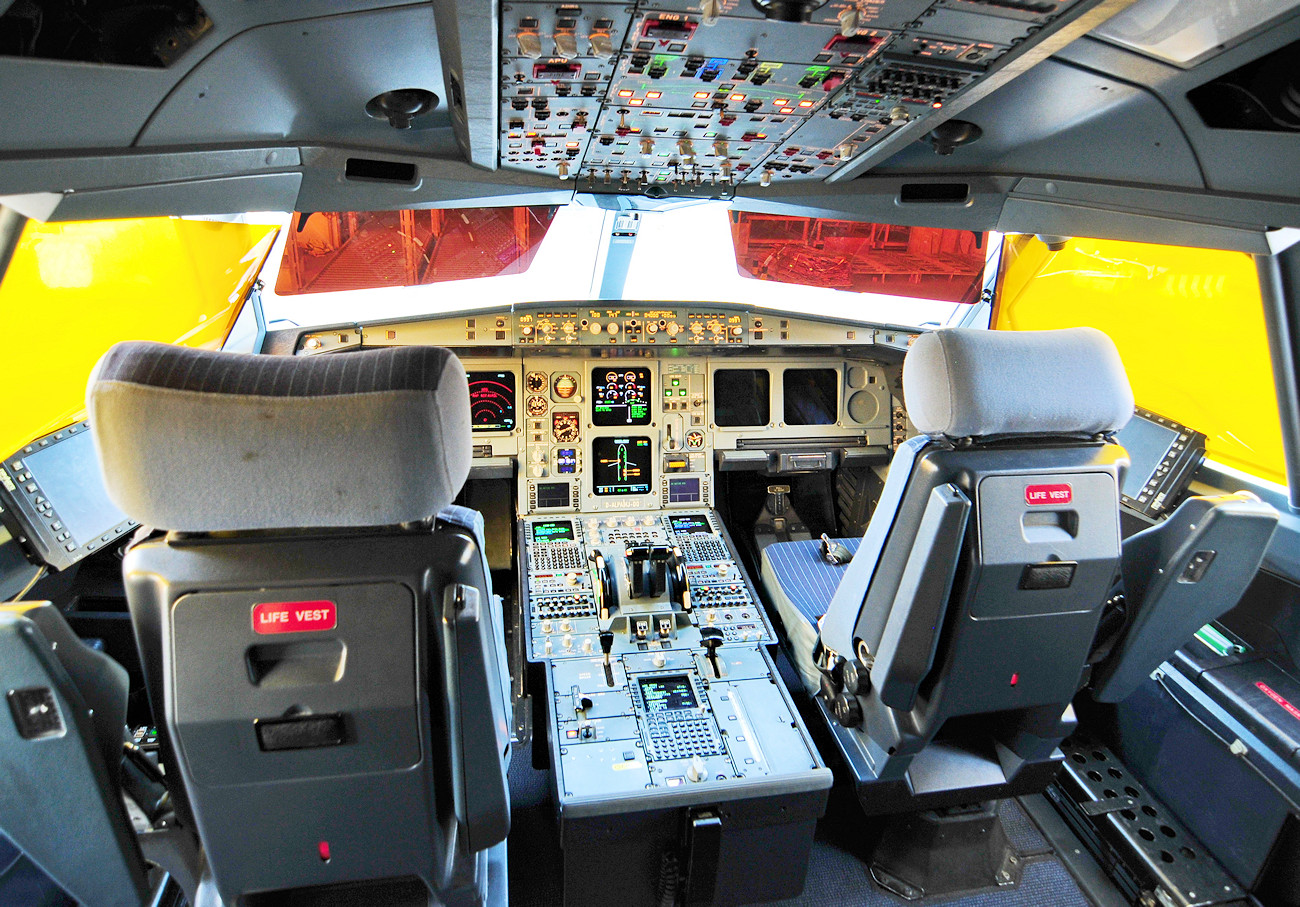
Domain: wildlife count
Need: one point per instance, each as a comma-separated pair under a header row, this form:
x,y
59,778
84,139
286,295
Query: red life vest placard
x,y
1036,495
294,617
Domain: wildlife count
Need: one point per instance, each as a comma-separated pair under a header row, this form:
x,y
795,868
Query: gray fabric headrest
x,y
971,383
199,441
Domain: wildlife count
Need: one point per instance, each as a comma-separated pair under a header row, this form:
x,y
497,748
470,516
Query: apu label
x,y
294,617
1048,494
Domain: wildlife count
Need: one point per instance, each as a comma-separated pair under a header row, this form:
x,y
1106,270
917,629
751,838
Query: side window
x,y
1189,325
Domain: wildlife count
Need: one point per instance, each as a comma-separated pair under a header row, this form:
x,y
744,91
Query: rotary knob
x,y
673,329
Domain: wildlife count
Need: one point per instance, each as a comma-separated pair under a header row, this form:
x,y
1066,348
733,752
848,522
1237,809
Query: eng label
x,y
1048,494
294,617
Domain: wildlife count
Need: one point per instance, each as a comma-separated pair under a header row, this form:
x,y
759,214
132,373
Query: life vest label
x,y
1036,495
294,617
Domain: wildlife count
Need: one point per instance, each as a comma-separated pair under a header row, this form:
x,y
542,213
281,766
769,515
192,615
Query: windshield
x,y
685,253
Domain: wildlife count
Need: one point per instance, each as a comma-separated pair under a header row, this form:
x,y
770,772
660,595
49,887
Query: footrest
x,y
1145,849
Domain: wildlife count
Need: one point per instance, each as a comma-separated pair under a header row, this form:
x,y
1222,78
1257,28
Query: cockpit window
x,y
362,250
1189,325
367,266
920,262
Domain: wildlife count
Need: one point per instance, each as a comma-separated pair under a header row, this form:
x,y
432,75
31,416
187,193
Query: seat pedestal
x,y
942,852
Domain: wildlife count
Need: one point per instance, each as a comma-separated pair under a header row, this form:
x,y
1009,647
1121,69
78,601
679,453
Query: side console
x,y
678,754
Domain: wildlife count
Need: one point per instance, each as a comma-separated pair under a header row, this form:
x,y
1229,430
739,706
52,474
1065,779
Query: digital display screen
x,y
683,491
667,693
492,401
621,465
620,396
553,531
812,396
566,461
1147,443
687,525
741,397
553,494
68,475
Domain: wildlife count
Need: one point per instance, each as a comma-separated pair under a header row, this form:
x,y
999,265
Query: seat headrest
x,y
973,383
200,441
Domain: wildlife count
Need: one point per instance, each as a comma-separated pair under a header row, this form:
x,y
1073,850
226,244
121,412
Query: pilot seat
x,y
321,646
945,656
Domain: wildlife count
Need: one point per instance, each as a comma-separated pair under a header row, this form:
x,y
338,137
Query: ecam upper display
x,y
620,395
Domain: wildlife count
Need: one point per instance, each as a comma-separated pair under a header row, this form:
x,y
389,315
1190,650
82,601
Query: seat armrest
x,y
1178,576
911,633
481,726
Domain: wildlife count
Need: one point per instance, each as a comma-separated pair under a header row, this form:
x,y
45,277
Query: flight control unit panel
x,y
663,699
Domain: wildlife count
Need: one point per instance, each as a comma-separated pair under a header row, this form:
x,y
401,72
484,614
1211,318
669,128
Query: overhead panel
x,y
687,95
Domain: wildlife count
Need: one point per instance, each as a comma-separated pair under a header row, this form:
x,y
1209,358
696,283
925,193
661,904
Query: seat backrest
x,y
1178,576
978,586
324,658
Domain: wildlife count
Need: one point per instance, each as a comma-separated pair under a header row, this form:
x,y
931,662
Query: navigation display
x,y
620,396
667,693
811,396
492,401
1147,444
68,474
553,531
621,465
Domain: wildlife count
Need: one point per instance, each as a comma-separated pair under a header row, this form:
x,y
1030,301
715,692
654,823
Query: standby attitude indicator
x,y
492,401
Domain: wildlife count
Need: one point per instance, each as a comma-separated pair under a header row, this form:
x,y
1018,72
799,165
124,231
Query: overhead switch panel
x,y
708,95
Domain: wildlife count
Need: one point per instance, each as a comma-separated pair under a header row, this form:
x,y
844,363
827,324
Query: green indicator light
x,y
677,382
668,393
681,393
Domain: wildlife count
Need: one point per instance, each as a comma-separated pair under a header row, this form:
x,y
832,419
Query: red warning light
x,y
635,102
625,93
937,104
805,103
1015,678
654,95
323,848
787,110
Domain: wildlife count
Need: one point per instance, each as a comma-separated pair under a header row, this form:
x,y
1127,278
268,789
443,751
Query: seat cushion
x,y
801,584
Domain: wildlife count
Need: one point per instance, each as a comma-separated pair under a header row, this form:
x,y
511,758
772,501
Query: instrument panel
x,y
608,435
635,406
